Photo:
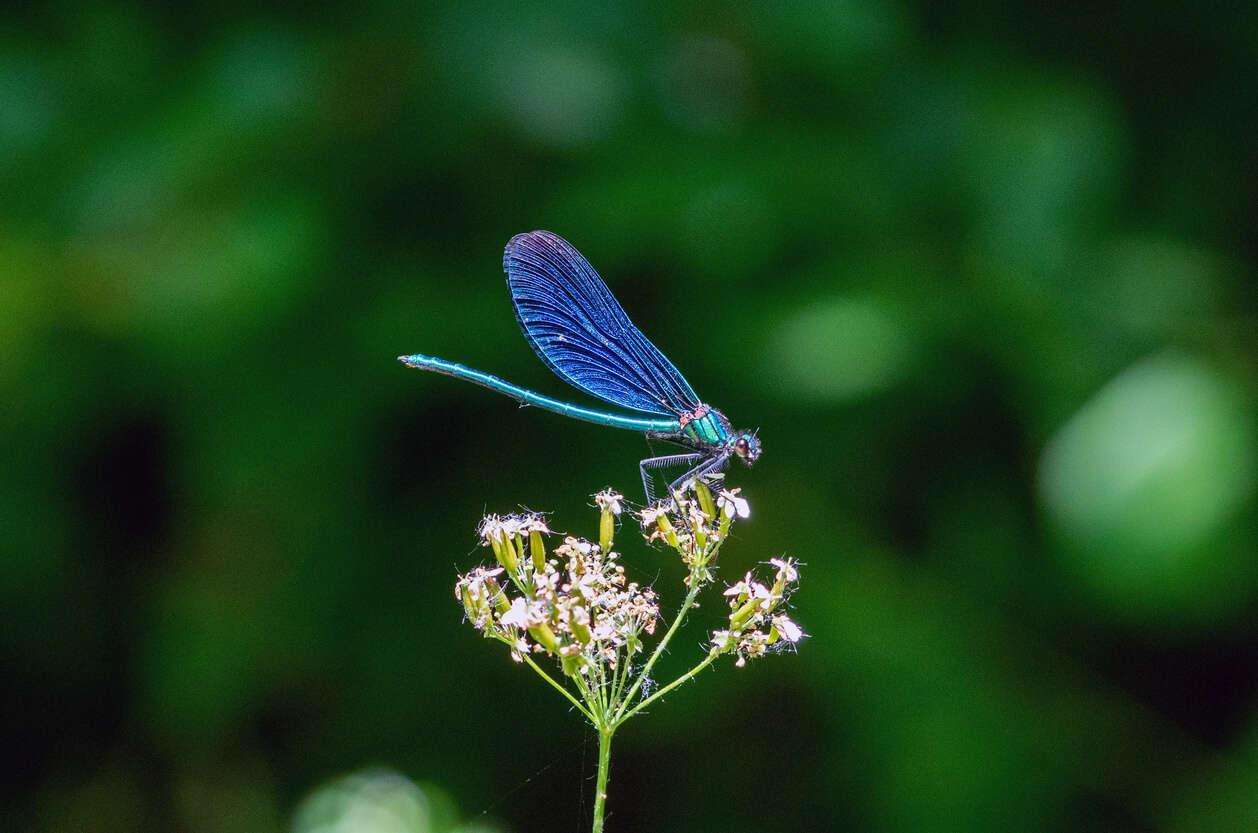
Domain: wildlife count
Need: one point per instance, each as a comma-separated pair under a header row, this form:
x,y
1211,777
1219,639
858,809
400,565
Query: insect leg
x,y
702,470
659,463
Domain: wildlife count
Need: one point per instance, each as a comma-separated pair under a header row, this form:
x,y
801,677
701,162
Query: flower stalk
x,y
575,606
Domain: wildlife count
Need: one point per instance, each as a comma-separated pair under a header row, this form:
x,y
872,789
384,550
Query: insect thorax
x,y
705,426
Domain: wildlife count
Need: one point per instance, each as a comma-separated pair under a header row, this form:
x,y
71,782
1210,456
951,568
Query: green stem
x,y
559,688
604,764
591,700
623,666
659,649
603,692
689,675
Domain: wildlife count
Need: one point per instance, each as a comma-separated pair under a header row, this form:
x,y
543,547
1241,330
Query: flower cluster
x,y
577,606
753,608
694,526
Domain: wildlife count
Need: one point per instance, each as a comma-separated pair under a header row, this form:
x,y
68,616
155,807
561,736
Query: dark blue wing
x,y
575,325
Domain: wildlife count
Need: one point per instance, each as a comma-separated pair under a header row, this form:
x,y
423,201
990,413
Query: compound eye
x,y
742,445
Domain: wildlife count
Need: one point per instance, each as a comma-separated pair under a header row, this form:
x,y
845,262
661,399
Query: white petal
x,y
518,615
787,629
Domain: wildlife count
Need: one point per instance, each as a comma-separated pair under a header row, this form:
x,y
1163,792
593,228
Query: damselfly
x,y
577,328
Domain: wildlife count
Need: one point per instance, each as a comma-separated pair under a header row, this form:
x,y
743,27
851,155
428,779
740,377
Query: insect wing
x,y
577,328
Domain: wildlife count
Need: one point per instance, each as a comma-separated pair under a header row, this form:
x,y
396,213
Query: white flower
x,y
578,545
731,504
475,582
518,615
609,501
534,523
650,514
740,588
749,588
698,518
490,528
513,525
787,629
786,569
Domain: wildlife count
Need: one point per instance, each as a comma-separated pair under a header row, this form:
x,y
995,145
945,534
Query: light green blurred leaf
x,y
1145,477
839,349
378,801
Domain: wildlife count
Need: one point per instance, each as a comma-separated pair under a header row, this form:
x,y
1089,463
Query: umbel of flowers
x,y
574,605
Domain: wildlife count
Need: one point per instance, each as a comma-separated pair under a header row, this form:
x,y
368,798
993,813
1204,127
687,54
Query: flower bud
x,y
479,592
537,549
580,623
474,606
496,597
668,530
740,617
504,551
705,499
545,637
606,530
608,503
699,526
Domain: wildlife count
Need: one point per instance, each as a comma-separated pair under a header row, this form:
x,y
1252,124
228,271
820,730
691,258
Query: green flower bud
x,y
705,499
579,622
606,529
504,551
608,503
473,606
498,598
545,637
669,531
538,551
739,618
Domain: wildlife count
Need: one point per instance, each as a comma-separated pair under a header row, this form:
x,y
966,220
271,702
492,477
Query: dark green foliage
x,y
982,276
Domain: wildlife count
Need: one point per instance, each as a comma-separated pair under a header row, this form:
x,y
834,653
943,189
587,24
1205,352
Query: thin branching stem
x,y
689,675
574,701
623,667
691,594
604,689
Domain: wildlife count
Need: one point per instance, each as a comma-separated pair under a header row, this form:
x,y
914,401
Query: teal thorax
x,y
705,426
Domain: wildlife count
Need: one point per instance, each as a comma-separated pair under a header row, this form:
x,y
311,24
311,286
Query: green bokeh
x,y
981,275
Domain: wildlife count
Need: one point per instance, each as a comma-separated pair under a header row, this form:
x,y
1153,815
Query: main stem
x,y
604,763
614,711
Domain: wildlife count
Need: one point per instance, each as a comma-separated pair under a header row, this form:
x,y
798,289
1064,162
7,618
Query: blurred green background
x,y
982,275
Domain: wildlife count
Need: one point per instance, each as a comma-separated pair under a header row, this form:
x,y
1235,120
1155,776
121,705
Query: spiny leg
x,y
708,466
659,463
